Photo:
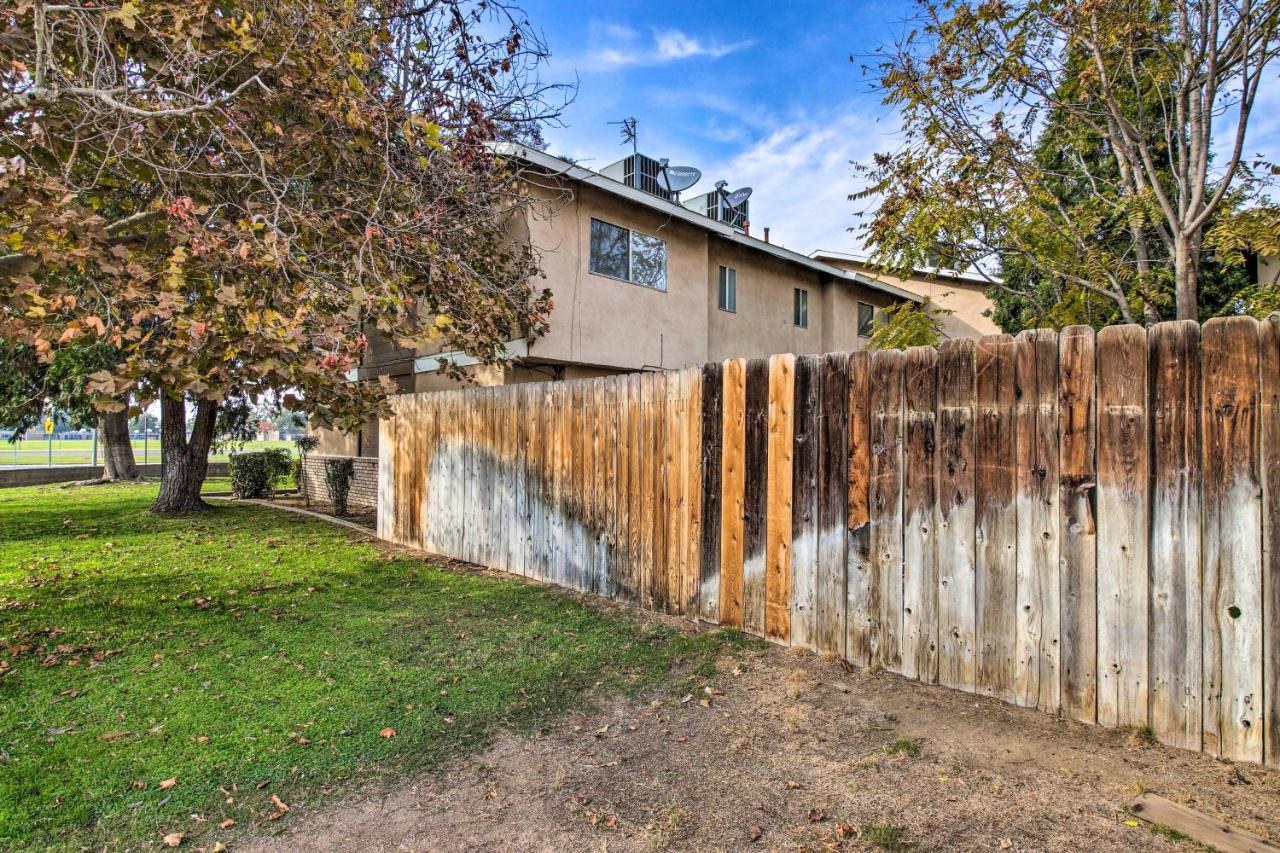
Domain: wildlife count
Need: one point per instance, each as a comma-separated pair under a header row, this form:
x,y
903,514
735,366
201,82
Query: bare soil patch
x,y
787,751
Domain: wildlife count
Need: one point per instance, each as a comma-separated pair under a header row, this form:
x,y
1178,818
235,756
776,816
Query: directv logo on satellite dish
x,y
737,197
678,178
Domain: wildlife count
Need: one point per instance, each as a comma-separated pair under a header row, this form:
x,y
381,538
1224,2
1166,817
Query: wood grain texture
x,y
996,515
1232,541
733,479
919,511
833,505
887,373
693,483
1269,444
803,519
712,447
957,579
1199,827
781,448
1038,641
1077,490
756,485
862,597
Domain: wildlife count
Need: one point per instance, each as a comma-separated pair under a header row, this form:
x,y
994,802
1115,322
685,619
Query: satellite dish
x,y
680,177
737,197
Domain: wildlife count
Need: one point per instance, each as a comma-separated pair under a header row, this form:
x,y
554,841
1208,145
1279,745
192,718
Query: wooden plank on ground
x,y
833,505
733,479
781,449
919,506
957,602
712,451
1176,646
1269,444
1122,539
995,515
887,373
802,519
755,495
1199,827
1232,543
1077,431
862,599
1038,526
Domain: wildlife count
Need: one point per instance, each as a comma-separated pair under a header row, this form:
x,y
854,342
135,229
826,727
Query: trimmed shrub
x,y
305,444
255,475
337,476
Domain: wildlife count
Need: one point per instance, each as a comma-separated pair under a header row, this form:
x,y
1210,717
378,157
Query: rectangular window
x,y
729,290
866,319
628,255
802,308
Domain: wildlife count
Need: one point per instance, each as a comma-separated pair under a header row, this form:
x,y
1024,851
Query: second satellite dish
x,y
680,177
737,197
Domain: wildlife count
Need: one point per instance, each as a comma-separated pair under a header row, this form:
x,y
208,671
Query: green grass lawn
x,y
79,451
248,653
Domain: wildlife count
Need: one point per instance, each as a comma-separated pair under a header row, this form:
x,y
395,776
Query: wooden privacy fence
x,y
1083,524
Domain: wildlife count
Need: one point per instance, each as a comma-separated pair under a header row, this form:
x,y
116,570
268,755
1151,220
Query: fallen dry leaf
x,y
220,847
227,824
387,732
173,839
756,832
168,783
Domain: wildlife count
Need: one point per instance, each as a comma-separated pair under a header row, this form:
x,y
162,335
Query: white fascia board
x,y
517,348
675,211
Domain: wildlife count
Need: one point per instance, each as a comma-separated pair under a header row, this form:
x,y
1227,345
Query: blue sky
x,y
759,94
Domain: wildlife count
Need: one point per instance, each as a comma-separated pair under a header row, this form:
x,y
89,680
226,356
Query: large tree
x,y
1140,96
231,193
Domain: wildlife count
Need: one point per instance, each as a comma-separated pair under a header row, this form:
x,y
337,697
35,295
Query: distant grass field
x,y
79,451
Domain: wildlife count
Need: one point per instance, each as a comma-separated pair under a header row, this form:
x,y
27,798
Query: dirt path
x,y
790,752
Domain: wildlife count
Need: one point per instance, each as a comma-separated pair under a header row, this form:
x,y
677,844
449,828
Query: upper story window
x,y
628,255
866,319
802,308
728,290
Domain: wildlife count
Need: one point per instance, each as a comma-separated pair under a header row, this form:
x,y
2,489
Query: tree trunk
x,y
117,451
1186,256
184,461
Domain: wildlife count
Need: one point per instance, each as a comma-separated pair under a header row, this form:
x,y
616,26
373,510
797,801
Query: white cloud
x,y
618,46
801,177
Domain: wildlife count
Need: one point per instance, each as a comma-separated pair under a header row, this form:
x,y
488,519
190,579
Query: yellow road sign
x,y
48,426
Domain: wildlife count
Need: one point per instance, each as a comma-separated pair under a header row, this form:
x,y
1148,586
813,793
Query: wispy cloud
x,y
617,46
802,177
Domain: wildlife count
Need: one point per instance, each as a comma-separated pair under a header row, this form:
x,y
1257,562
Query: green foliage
x,y
337,478
29,387
306,444
907,325
210,649
254,475
906,746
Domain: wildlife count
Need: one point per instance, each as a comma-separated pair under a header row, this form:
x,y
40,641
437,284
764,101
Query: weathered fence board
x,y
1082,523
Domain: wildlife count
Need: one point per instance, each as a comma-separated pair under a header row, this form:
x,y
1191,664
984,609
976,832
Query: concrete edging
x,y
297,510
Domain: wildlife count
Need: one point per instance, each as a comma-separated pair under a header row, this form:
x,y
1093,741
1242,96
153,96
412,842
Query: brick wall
x,y
364,485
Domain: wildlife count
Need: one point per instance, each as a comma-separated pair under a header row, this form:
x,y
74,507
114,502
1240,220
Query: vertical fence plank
x,y
887,371
862,598
755,495
995,515
673,452
1232,542
1269,443
957,591
733,506
833,504
630,545
1077,429
1122,526
919,504
782,370
693,484
712,451
649,490
1038,586
802,518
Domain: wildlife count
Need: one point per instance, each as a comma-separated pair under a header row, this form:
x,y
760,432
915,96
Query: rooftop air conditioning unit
x,y
733,209
640,172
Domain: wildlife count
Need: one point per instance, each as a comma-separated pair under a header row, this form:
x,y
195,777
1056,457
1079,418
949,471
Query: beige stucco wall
x,y
966,300
604,322
1269,269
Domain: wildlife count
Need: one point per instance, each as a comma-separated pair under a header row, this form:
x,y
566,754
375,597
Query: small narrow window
x,y
802,308
729,290
866,319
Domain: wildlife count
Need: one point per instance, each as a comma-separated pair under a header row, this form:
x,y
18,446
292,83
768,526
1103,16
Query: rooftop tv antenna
x,y
628,132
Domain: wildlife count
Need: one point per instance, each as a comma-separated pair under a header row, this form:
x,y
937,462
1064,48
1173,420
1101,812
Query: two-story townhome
x,y
643,282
